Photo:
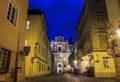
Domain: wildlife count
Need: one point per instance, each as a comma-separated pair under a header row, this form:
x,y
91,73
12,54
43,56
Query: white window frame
x,y
12,16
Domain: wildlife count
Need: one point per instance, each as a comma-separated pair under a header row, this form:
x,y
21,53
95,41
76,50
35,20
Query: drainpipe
x,y
16,60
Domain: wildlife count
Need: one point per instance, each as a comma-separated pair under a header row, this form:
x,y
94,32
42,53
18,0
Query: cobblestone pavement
x,y
68,78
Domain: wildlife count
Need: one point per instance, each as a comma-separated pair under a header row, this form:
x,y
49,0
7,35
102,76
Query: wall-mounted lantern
x,y
118,31
25,51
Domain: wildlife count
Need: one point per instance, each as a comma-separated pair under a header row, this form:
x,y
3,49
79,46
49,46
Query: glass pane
x,y
4,60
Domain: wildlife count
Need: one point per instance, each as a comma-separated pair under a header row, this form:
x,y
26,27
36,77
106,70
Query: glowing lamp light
x,y
85,63
28,23
92,61
75,61
26,42
118,31
69,66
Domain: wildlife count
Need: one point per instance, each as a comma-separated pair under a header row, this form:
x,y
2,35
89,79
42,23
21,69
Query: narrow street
x,y
62,78
68,78
59,40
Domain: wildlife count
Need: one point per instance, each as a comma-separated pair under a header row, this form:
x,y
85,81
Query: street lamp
x,y
75,64
75,61
118,31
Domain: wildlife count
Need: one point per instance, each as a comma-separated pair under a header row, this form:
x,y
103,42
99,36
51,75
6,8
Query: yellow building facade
x,y
13,15
113,9
36,37
100,63
114,23
93,42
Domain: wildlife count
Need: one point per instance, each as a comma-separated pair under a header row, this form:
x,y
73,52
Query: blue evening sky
x,y
61,16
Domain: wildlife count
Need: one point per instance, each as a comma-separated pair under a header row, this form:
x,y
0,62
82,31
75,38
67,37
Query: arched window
x,y
59,48
59,65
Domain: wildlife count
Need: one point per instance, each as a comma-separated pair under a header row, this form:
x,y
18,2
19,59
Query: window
x,y
37,49
71,48
59,65
12,13
4,60
59,59
59,39
103,41
39,66
64,48
54,48
106,62
59,48
28,25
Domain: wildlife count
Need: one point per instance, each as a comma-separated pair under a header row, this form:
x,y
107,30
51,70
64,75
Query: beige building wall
x,y
114,21
113,9
36,36
92,37
12,37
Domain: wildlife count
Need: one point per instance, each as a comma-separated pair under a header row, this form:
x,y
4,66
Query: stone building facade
x,y
13,17
39,58
61,50
113,9
92,38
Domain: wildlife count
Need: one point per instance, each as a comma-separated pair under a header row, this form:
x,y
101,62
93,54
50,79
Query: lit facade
x,y
61,50
73,57
13,15
114,25
92,38
36,37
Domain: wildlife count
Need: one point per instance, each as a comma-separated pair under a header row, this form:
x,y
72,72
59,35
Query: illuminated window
x,y
71,48
39,48
4,60
59,59
64,48
35,51
28,25
42,67
64,59
54,48
12,13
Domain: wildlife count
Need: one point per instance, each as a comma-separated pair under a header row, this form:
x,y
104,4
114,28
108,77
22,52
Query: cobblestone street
x,y
68,78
